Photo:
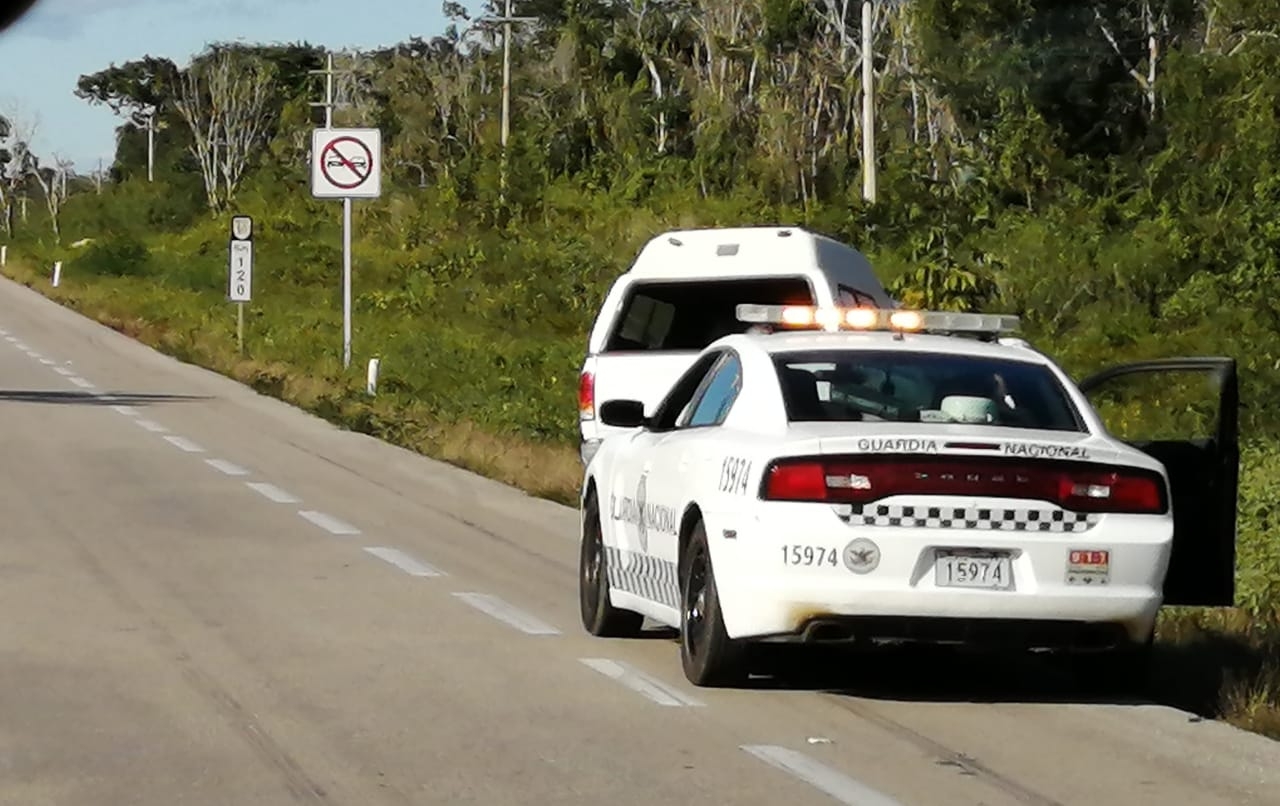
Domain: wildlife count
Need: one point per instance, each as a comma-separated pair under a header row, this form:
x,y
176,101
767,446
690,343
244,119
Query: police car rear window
x,y
917,387
690,315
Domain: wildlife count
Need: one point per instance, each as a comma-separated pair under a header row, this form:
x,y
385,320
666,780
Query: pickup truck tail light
x,y
587,395
862,480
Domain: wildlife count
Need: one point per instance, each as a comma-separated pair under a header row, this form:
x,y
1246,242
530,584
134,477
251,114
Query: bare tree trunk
x,y
224,100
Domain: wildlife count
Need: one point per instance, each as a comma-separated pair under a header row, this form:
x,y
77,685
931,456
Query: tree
x,y
141,90
53,183
226,98
16,161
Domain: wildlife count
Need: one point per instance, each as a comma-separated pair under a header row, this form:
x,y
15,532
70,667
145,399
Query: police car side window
x,y
718,394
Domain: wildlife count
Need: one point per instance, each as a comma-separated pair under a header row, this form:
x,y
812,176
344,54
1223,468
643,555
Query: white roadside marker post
x,y
240,271
371,380
57,273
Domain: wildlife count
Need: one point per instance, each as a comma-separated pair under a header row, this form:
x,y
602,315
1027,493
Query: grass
x,y
1215,663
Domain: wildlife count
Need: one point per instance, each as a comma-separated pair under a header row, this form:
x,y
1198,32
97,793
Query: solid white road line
x,y
638,681
818,775
48,362
410,565
272,492
507,613
63,371
151,426
329,523
226,467
128,411
182,443
81,382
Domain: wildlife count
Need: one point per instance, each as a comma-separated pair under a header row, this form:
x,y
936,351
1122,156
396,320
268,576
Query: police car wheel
x,y
599,616
708,655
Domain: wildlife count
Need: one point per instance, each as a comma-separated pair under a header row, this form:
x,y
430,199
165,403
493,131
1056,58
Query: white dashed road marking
x,y
639,682
410,565
226,467
63,371
271,492
184,444
818,775
507,613
151,426
128,411
81,382
47,362
329,523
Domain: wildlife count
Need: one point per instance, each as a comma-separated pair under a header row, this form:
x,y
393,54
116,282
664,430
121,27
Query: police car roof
x,y
804,340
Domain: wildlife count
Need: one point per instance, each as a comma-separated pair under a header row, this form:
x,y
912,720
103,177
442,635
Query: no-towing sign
x,y
346,163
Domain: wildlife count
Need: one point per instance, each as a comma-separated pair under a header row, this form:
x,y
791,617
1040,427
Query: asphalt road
x,y
212,598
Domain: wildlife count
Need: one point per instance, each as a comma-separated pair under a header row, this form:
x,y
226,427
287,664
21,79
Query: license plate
x,y
970,569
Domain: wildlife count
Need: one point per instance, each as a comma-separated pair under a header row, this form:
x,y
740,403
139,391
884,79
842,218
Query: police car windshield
x,y
918,387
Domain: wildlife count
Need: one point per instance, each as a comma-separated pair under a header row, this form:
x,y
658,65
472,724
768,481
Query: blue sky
x,y
44,54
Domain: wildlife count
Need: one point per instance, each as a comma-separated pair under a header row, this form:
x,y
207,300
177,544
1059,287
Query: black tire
x,y
708,655
599,617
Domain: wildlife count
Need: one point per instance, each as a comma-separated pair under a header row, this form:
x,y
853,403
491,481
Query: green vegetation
x,y
1107,170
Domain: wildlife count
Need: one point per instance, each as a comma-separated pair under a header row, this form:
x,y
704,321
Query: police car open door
x,y
1184,412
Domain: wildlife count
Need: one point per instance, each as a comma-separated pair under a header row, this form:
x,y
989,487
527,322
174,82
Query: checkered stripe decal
x,y
644,575
990,519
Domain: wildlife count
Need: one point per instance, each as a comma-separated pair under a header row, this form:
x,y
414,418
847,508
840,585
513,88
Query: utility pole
x,y
868,107
507,19
151,144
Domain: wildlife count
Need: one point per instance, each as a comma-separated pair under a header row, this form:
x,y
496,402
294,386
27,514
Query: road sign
x,y
240,272
346,163
241,227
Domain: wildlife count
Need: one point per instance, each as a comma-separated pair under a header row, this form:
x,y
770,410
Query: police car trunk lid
x,y
866,462
831,438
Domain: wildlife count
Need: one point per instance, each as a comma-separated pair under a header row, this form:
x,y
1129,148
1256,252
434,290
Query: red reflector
x,y
587,396
802,481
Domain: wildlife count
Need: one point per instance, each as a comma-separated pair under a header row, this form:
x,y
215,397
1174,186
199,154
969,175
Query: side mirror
x,y
622,413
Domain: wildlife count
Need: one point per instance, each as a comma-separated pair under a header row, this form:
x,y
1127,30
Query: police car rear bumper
x,y
765,595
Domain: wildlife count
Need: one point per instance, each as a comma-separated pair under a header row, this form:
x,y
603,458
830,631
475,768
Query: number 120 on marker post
x,y
240,285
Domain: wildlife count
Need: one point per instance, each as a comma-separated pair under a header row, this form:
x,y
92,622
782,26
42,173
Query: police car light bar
x,y
832,319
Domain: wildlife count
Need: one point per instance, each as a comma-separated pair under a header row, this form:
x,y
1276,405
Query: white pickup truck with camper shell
x,y
896,476
680,294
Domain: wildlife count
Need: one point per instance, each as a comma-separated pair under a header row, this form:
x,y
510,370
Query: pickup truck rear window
x,y
917,387
690,315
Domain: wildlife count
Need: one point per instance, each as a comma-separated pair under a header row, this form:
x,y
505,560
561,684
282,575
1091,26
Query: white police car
x,y
899,476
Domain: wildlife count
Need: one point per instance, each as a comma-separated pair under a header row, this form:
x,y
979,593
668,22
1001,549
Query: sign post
x,y
346,164
240,270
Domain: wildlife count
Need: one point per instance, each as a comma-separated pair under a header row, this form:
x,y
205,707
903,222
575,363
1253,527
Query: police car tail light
x,y
587,396
1112,491
864,480
796,481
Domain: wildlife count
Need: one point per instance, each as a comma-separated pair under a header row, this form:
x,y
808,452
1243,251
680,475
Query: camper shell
x,y
681,293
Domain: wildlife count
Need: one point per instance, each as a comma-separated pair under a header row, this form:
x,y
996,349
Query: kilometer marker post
x,y
240,271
